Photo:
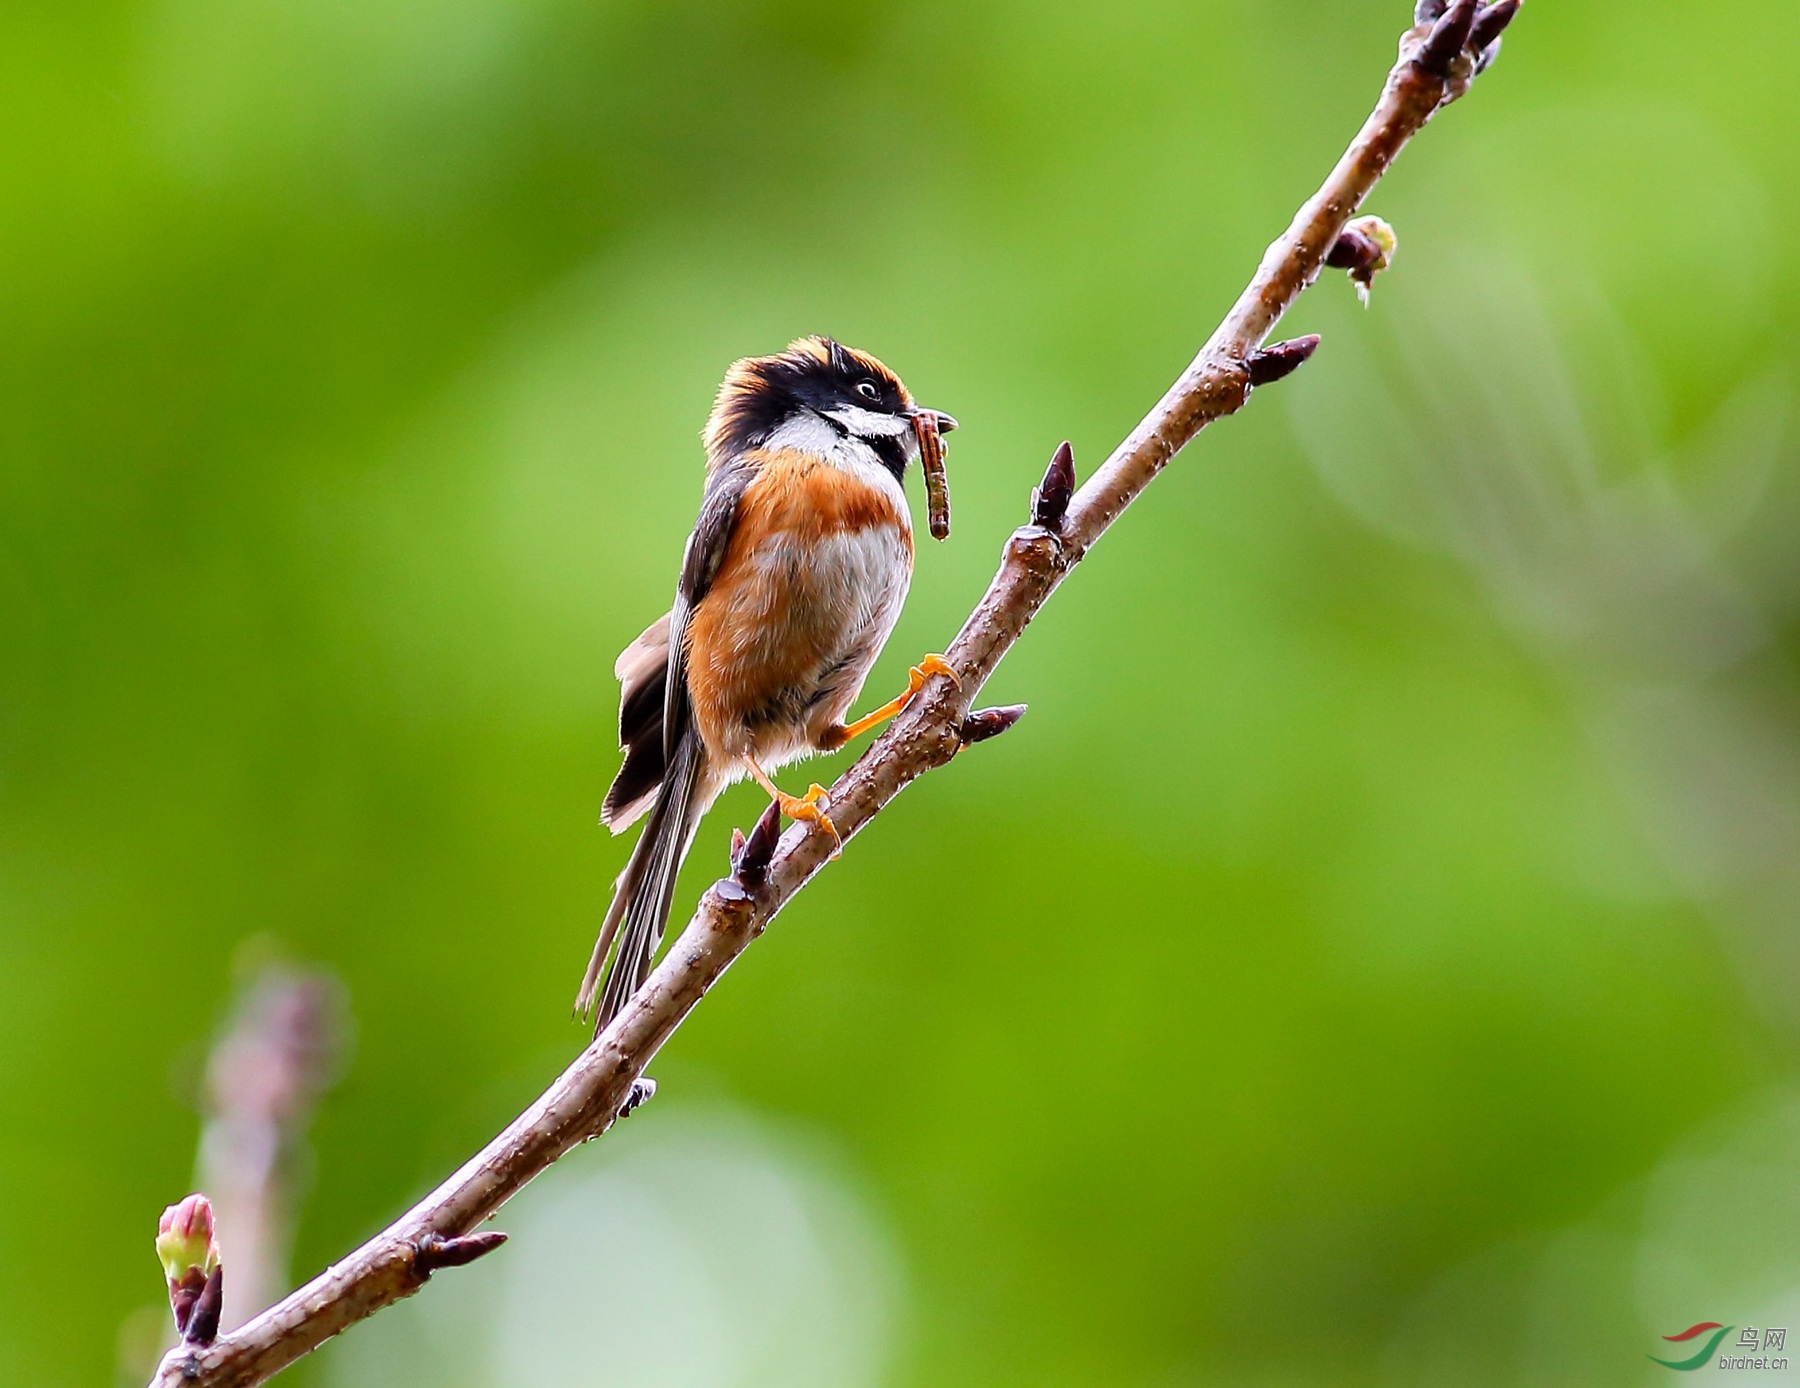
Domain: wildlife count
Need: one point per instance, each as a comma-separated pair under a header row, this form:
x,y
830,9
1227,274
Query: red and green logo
x,y
1714,1333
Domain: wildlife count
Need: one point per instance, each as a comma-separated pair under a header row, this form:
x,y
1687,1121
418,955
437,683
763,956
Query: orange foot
x,y
915,681
810,809
925,669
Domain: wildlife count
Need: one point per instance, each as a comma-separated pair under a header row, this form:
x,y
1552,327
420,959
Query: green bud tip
x,y
184,1239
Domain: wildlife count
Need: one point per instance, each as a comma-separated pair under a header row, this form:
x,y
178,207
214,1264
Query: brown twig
x,y
278,1053
1435,67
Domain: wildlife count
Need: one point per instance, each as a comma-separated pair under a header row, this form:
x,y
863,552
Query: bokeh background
x,y
1374,959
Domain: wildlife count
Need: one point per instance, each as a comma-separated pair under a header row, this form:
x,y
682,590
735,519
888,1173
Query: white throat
x,y
807,432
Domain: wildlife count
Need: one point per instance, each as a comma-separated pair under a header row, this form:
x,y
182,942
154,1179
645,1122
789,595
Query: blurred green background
x,y
1373,961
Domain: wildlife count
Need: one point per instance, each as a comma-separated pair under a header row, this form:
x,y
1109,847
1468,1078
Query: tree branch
x,y
1438,60
279,1053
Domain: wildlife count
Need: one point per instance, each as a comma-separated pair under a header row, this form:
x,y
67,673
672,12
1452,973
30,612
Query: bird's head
x,y
816,393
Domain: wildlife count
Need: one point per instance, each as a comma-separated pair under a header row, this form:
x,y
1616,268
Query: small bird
x,y
792,580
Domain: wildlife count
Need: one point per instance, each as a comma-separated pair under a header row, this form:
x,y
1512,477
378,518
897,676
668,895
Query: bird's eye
x,y
867,390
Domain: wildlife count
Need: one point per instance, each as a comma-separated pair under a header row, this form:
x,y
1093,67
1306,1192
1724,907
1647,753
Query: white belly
x,y
830,608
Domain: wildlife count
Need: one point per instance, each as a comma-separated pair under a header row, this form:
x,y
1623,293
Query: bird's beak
x,y
930,426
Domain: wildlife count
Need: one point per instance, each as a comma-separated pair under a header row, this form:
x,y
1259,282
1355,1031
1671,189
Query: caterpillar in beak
x,y
930,426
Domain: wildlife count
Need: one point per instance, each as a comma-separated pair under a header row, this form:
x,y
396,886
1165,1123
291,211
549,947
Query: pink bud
x,y
184,1238
189,1253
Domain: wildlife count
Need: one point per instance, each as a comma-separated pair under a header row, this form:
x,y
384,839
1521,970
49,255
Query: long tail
x,y
644,891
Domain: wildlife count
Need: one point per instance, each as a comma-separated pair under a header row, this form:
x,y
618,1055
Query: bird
x,y
791,582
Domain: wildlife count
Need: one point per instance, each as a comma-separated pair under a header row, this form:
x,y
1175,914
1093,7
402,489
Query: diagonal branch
x,y
1439,57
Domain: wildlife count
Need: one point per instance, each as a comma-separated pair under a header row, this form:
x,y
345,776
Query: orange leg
x,y
915,681
809,807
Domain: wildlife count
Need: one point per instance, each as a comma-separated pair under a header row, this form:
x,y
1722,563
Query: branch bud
x,y
1269,365
434,1251
184,1238
642,1091
1448,37
1484,38
1050,498
750,857
1365,248
984,723
189,1254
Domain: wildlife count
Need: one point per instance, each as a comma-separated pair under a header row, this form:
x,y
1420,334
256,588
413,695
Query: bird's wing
x,y
652,670
725,486
642,668
664,787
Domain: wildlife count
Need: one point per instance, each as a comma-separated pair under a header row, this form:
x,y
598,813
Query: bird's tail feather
x,y
646,888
